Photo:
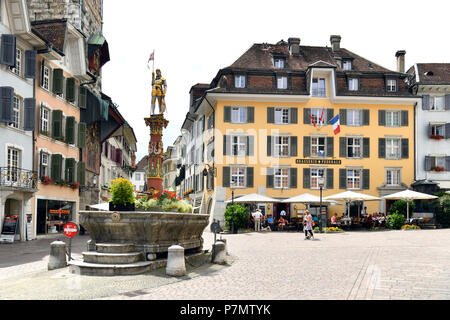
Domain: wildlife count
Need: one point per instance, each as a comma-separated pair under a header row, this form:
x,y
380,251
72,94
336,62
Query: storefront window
x,y
53,215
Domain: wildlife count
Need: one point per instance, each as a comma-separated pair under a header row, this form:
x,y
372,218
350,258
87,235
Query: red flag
x,y
312,119
321,117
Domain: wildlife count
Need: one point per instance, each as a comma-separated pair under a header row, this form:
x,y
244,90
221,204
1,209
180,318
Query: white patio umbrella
x,y
349,196
409,195
100,206
254,198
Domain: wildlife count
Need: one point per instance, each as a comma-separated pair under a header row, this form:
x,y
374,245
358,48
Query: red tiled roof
x,y
54,31
432,73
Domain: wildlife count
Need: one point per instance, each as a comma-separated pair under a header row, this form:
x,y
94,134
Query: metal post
x,y
320,214
232,213
70,249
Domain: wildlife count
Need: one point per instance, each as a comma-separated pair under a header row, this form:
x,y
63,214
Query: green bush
x,y
400,206
442,211
240,216
395,221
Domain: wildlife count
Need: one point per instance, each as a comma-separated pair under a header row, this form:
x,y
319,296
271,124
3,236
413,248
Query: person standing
x,y
257,217
307,225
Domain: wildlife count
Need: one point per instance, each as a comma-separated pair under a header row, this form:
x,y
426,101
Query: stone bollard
x,y
57,258
218,254
175,261
91,246
226,247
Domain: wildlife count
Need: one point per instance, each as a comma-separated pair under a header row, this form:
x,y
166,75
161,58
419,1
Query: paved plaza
x,y
266,265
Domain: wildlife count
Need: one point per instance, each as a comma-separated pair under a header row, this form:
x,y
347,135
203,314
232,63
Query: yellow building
x,y
269,128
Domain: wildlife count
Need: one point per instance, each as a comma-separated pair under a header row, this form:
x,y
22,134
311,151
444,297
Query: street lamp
x,y
233,231
321,182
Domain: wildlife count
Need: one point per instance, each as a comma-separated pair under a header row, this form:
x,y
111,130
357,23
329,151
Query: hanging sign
x,y
318,161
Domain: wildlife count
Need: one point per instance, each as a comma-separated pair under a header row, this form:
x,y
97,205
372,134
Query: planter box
x,y
121,207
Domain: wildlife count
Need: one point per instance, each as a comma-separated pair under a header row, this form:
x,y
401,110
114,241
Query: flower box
x,y
438,169
436,137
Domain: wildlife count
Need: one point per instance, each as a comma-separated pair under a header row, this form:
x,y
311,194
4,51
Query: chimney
x,y
400,55
335,42
294,46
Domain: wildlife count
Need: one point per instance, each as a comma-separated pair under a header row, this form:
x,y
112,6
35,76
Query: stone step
x,y
112,258
95,269
115,248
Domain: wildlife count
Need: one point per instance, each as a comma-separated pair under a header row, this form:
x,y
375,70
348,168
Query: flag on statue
x,y
336,124
152,56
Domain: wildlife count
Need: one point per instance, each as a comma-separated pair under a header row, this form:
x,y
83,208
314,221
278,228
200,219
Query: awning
x,y
444,184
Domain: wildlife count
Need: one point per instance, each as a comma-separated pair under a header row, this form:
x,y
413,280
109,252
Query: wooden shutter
x,y
447,163
343,147
226,177
366,147
82,93
41,74
227,146
293,178
306,178
6,104
293,145
330,179
405,148
343,116
250,145
269,178
366,179
381,148
306,147
8,50
447,130
29,114
250,114
250,177
81,173
56,167
342,179
405,120
30,64
426,102
330,147
227,114
382,117
81,135
270,115
306,117
70,89
366,117
269,146
330,115
428,163
70,130
58,78
57,116
447,102
70,167
294,115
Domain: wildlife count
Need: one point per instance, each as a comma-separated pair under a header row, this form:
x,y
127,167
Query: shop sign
x,y
9,230
318,161
59,211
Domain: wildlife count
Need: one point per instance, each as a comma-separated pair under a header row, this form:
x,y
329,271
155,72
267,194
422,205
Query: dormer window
x,y
239,81
282,82
353,84
278,63
318,87
347,65
391,85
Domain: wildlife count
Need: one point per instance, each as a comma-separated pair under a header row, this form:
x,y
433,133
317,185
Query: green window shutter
x,y
343,147
70,130
269,178
30,64
366,147
227,146
250,114
82,94
330,115
330,179
382,117
270,115
56,167
306,178
8,50
306,117
405,148
250,173
81,135
57,117
342,179
70,89
366,117
330,147
343,116
81,173
306,147
293,178
294,146
29,114
426,102
250,145
269,146
381,148
405,120
294,115
58,78
227,114
70,170
6,104
226,177
366,179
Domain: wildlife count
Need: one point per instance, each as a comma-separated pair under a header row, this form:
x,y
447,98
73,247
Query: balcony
x,y
18,179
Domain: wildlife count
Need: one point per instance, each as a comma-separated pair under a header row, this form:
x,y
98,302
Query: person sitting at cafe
x,y
281,223
334,220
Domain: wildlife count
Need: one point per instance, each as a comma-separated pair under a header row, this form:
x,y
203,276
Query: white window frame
x,y
438,106
317,145
319,91
17,113
393,176
351,120
316,114
238,145
393,144
434,130
315,175
239,174
355,147
278,63
281,146
44,122
390,119
281,178
46,78
355,179
347,65
239,81
47,165
241,116
13,161
391,85
282,115
353,84
282,82
19,62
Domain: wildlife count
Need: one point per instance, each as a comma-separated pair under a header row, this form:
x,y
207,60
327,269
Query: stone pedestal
x,y
57,258
175,262
218,255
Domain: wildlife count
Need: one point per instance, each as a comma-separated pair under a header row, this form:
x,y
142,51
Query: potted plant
x,y
122,194
46,180
438,169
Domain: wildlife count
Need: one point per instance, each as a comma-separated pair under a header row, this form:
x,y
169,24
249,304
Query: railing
x,y
18,178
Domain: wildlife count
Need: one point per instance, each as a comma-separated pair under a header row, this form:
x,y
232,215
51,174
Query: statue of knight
x,y
159,89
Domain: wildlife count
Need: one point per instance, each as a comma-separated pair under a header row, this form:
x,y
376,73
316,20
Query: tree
x,y
400,206
240,216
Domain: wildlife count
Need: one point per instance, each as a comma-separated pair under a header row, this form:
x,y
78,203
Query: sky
x,y
194,39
